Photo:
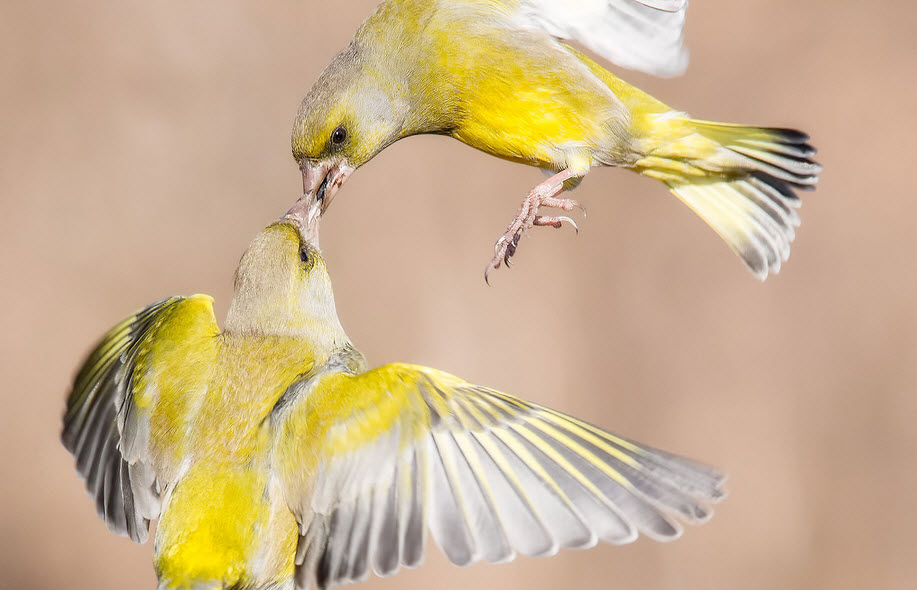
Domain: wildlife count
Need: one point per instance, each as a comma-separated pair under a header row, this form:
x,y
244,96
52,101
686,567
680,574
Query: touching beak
x,y
305,214
321,180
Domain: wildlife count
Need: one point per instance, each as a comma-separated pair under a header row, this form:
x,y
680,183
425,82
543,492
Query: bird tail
x,y
740,180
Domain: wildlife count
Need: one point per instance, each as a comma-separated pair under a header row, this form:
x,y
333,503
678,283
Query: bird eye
x,y
303,256
338,136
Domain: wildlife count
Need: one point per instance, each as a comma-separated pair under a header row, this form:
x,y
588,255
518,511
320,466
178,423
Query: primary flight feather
x,y
499,76
273,458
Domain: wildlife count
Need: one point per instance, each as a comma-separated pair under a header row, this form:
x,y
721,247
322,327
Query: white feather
x,y
641,35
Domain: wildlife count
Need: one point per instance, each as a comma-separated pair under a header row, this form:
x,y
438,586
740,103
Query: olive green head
x,y
282,287
351,114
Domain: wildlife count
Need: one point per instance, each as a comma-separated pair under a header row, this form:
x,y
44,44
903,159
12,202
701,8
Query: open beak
x,y
305,214
321,180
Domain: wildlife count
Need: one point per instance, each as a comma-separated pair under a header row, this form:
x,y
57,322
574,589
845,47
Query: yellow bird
x,y
499,76
273,458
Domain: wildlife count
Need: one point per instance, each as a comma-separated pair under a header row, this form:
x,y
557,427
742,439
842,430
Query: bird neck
x,y
322,335
308,315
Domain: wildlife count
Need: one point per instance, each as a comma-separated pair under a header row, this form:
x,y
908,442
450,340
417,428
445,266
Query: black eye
x,y
338,136
303,256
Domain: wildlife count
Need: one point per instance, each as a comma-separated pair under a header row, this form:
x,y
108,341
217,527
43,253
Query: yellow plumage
x,y
273,458
499,76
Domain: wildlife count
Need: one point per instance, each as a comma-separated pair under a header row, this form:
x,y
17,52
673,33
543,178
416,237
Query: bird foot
x,y
543,195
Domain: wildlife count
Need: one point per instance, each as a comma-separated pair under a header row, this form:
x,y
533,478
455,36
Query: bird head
x,y
347,118
282,288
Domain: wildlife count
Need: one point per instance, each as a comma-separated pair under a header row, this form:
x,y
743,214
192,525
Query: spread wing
x,y
371,461
120,418
642,35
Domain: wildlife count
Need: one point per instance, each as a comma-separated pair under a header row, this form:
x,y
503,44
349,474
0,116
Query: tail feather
x,y
740,180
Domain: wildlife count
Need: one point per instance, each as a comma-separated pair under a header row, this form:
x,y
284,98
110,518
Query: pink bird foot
x,y
543,195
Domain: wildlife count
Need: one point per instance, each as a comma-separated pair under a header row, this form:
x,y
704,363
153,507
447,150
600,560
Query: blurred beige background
x,y
143,144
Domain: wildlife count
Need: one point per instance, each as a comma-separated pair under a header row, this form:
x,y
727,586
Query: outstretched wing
x,y
370,461
120,418
642,35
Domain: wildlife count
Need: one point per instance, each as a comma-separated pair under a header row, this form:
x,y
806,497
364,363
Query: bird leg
x,y
543,195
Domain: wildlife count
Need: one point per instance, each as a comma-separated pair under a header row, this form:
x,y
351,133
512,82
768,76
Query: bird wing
x,y
643,35
369,461
120,421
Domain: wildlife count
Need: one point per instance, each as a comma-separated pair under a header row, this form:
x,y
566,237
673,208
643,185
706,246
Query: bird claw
x,y
504,250
564,204
554,221
543,195
573,223
582,209
511,250
492,266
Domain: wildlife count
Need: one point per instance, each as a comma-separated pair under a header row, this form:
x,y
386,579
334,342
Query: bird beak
x,y
305,214
321,180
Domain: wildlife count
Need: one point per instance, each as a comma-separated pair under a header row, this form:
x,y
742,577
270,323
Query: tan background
x,y
143,144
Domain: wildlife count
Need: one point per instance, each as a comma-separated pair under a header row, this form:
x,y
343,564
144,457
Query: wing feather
x,y
359,539
518,516
644,35
101,422
488,529
489,474
413,540
387,550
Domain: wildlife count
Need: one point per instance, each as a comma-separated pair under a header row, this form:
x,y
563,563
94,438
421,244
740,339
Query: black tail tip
x,y
789,136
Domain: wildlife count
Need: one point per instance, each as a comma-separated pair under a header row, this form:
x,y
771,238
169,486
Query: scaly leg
x,y
543,195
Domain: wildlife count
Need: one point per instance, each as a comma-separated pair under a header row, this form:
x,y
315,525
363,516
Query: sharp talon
x,y
556,222
570,221
497,246
492,266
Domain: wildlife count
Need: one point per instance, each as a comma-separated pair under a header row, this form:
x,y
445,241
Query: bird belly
x,y
224,527
534,102
536,125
